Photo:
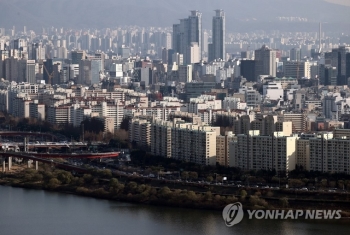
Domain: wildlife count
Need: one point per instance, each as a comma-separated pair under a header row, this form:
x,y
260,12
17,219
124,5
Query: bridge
x,y
61,155
48,158
41,144
32,159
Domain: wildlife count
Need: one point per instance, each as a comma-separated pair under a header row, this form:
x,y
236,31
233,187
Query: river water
x,y
35,212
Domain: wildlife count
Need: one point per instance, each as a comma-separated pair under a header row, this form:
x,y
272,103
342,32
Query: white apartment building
x,y
78,113
114,109
161,141
255,152
26,87
116,70
328,154
222,148
330,109
20,107
194,143
193,52
157,112
273,91
58,115
37,110
140,132
233,103
118,93
108,124
185,73
206,116
176,139
203,102
252,97
303,151
168,101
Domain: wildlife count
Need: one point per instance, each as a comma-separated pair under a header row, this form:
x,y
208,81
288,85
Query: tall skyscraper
x,y
347,67
165,56
265,61
195,33
30,71
85,41
176,38
48,71
217,49
85,72
96,68
77,56
248,70
188,31
295,54
342,51
36,51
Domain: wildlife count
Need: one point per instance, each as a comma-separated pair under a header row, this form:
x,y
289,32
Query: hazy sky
x,y
240,15
341,2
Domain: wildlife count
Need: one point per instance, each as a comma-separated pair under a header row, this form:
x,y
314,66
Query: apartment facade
x,y
255,152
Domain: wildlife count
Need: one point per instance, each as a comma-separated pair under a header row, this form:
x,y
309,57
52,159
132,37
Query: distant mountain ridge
x,y
111,13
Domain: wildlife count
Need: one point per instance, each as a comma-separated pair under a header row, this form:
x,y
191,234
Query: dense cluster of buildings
x,y
267,102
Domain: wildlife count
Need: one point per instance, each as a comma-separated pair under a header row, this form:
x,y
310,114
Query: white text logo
x,y
233,214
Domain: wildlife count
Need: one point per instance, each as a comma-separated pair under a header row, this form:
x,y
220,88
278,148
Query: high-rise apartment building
x,y
195,33
188,31
161,138
30,71
89,71
140,133
178,139
85,72
222,148
255,152
217,48
194,143
295,54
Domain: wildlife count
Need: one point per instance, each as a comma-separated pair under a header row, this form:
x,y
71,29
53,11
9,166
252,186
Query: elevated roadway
x,y
60,165
61,155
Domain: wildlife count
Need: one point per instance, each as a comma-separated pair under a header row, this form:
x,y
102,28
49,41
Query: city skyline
x,y
208,105
247,15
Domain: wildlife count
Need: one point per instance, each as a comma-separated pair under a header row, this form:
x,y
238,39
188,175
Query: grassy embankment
x,y
105,185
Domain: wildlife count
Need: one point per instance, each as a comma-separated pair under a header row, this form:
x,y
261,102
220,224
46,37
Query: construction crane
x,y
49,75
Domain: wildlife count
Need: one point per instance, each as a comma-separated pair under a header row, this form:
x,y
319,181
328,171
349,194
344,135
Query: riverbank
x,y
104,185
